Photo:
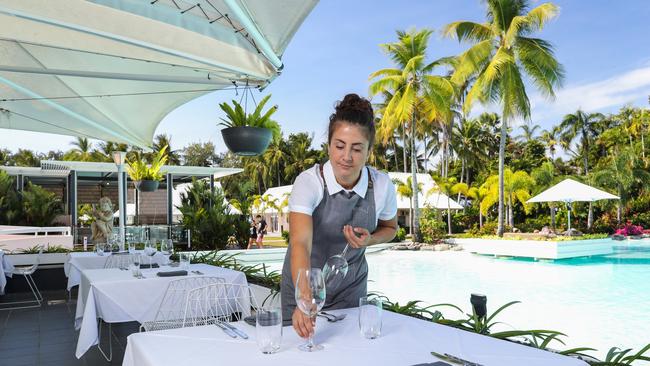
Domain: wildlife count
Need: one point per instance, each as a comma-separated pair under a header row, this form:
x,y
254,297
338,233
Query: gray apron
x,y
332,213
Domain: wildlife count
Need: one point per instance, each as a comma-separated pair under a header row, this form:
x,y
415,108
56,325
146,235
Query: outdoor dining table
x,y
116,296
404,341
78,261
6,269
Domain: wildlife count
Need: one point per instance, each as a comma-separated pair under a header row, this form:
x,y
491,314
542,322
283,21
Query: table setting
x,y
133,294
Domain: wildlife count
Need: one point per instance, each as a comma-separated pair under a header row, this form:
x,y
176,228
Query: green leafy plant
x,y
139,170
237,117
285,236
400,235
413,308
40,206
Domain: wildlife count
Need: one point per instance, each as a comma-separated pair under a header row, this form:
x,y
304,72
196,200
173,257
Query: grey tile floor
x,y
46,335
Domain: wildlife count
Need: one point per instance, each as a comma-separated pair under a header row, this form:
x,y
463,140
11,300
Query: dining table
x,y
403,340
116,296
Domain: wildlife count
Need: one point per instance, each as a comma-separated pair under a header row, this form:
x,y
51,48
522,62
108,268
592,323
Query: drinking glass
x,y
131,247
184,259
370,317
269,329
99,249
135,266
167,249
310,298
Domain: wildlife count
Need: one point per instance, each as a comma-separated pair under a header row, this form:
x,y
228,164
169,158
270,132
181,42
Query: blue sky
x,y
601,43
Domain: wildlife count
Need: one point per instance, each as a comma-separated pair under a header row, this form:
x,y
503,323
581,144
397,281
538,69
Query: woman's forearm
x,y
384,233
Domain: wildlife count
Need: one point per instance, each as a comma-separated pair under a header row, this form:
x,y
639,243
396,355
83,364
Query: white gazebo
x,y
569,191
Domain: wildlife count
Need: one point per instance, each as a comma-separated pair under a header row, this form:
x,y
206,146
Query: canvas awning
x,y
112,69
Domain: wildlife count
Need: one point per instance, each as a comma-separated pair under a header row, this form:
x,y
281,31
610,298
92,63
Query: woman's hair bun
x,y
353,102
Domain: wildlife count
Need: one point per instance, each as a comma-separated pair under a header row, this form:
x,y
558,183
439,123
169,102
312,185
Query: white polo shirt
x,y
307,190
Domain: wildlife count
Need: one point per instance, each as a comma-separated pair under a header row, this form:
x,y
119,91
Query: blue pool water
x,y
599,301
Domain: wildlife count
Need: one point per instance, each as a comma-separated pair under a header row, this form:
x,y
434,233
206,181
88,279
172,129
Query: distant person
x,y
253,234
261,230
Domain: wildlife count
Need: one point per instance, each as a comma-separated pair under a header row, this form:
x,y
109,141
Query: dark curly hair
x,y
355,110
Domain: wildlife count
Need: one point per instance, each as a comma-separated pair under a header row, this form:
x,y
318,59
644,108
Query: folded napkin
x,y
171,273
144,266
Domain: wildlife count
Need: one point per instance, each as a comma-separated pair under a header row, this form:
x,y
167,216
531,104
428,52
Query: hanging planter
x,y
247,141
248,134
146,185
147,177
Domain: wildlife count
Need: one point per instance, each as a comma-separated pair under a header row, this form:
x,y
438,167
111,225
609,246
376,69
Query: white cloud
x,y
600,96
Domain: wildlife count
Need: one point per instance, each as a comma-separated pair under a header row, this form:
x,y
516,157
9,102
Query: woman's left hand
x,y
358,237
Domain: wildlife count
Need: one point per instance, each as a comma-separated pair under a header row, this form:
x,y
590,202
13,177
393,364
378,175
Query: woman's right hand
x,y
303,324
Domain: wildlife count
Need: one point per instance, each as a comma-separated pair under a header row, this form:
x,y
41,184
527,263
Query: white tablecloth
x,y
404,341
6,268
79,261
116,296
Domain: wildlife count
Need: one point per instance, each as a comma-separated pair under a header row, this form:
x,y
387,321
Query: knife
x,y
234,329
455,359
226,330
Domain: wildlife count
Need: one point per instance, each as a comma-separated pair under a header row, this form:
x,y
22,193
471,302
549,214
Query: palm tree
x,y
621,173
406,190
300,158
528,131
501,54
448,187
585,127
82,151
412,85
544,177
478,194
162,141
516,185
276,156
551,139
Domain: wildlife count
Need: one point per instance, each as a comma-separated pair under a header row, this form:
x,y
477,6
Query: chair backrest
x,y
171,311
218,302
119,260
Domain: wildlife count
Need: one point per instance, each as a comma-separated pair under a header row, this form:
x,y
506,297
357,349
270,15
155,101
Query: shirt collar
x,y
334,187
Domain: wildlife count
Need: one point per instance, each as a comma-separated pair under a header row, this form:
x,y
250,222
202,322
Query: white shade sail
x,y
112,69
571,191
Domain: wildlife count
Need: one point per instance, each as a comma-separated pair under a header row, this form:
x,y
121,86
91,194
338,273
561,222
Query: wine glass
x,y
335,269
167,249
310,298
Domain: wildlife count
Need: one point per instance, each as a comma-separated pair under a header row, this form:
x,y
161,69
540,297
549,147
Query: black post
x,y
20,183
72,203
211,188
170,219
479,304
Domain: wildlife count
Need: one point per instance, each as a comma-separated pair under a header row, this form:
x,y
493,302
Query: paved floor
x,y
46,335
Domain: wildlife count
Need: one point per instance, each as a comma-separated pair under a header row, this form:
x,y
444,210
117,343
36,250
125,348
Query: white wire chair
x,y
171,312
121,261
218,303
27,272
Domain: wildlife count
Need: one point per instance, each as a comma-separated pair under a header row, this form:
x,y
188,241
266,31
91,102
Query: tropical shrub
x,y
40,206
432,230
400,235
630,230
207,216
285,236
11,211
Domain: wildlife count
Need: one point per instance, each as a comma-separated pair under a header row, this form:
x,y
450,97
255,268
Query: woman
x,y
253,233
339,202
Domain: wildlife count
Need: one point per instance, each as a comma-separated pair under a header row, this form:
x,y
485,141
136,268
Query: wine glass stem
x,y
310,341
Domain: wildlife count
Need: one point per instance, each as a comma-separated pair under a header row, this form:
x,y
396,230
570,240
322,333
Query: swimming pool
x,y
599,301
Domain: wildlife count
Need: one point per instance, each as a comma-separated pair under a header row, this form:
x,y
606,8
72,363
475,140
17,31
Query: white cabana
x,y
425,199
569,191
112,69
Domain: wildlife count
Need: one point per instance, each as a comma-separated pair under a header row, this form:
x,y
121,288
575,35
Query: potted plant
x,y
147,177
249,134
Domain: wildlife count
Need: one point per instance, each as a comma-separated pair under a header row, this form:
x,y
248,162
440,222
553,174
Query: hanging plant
x,y
249,134
147,177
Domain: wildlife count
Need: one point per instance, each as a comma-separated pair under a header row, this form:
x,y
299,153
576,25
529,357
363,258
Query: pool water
x,y
598,301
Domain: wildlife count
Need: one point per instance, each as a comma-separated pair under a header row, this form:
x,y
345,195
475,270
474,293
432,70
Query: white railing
x,y
61,230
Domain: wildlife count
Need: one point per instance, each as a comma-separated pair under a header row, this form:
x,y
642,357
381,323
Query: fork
x,y
332,318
